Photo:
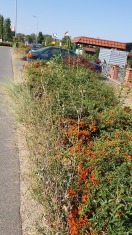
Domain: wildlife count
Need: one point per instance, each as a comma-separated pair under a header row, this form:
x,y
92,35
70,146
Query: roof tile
x,y
99,42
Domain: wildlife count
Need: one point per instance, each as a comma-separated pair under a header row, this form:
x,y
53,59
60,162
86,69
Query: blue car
x,y
46,53
36,47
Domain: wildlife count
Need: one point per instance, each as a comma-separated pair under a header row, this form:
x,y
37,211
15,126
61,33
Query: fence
x,y
121,74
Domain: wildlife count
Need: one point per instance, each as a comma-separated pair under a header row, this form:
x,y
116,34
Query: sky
x,y
104,19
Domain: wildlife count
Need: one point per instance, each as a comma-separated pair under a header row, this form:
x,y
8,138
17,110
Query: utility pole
x,y
37,28
16,19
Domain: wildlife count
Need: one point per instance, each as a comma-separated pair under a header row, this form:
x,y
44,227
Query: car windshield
x,y
66,52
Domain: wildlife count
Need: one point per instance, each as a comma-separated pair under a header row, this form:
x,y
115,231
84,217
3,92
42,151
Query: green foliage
x,y
92,57
1,26
20,37
7,44
130,62
7,30
110,199
66,42
40,37
80,140
76,96
47,40
30,38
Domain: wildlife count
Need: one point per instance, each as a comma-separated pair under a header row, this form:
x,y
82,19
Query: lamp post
x,y
37,27
16,19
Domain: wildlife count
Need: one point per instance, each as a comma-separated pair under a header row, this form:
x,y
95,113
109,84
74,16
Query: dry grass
x,y
32,213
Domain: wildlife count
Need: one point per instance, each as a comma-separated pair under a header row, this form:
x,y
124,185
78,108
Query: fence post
x,y
114,71
128,76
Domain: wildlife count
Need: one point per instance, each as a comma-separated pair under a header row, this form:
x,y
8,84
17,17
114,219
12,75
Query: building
x,y
97,42
89,45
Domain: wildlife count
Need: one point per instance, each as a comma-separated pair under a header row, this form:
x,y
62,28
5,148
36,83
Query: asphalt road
x,y
10,222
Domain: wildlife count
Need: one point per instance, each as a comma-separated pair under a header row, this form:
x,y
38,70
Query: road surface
x,y
10,222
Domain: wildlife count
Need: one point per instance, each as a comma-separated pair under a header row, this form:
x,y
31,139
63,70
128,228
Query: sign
x,y
12,29
53,42
54,36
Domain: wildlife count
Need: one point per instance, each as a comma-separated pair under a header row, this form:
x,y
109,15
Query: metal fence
x,y
105,69
121,74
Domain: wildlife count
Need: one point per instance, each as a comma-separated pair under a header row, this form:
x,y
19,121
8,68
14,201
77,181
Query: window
x,y
72,53
64,52
45,53
56,52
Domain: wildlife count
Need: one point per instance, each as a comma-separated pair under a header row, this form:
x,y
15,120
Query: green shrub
x,y
7,44
80,140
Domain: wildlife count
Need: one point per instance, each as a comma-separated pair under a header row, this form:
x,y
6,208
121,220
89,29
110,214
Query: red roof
x,y
99,42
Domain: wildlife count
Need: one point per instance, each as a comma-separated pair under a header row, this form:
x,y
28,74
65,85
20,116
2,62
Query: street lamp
x,y
37,27
16,20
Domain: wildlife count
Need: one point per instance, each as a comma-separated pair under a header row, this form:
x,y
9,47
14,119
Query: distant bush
x,y
7,44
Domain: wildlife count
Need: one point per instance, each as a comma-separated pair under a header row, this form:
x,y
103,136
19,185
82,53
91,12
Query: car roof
x,y
49,47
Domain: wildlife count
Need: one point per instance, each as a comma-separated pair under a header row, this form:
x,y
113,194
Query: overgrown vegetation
x,y
80,138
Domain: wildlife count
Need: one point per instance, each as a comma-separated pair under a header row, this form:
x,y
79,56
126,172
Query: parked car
x,y
35,47
46,53
96,67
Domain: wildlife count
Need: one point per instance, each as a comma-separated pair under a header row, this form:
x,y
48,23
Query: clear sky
x,y
104,19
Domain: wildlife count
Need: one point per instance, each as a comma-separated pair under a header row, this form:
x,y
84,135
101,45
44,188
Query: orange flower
x,y
89,151
82,174
84,198
129,157
70,191
93,176
71,221
80,208
87,185
74,230
74,212
118,214
82,221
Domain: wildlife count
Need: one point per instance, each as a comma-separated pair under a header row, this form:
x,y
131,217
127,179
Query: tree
x,y
47,40
30,38
20,37
40,37
7,30
1,26
66,42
